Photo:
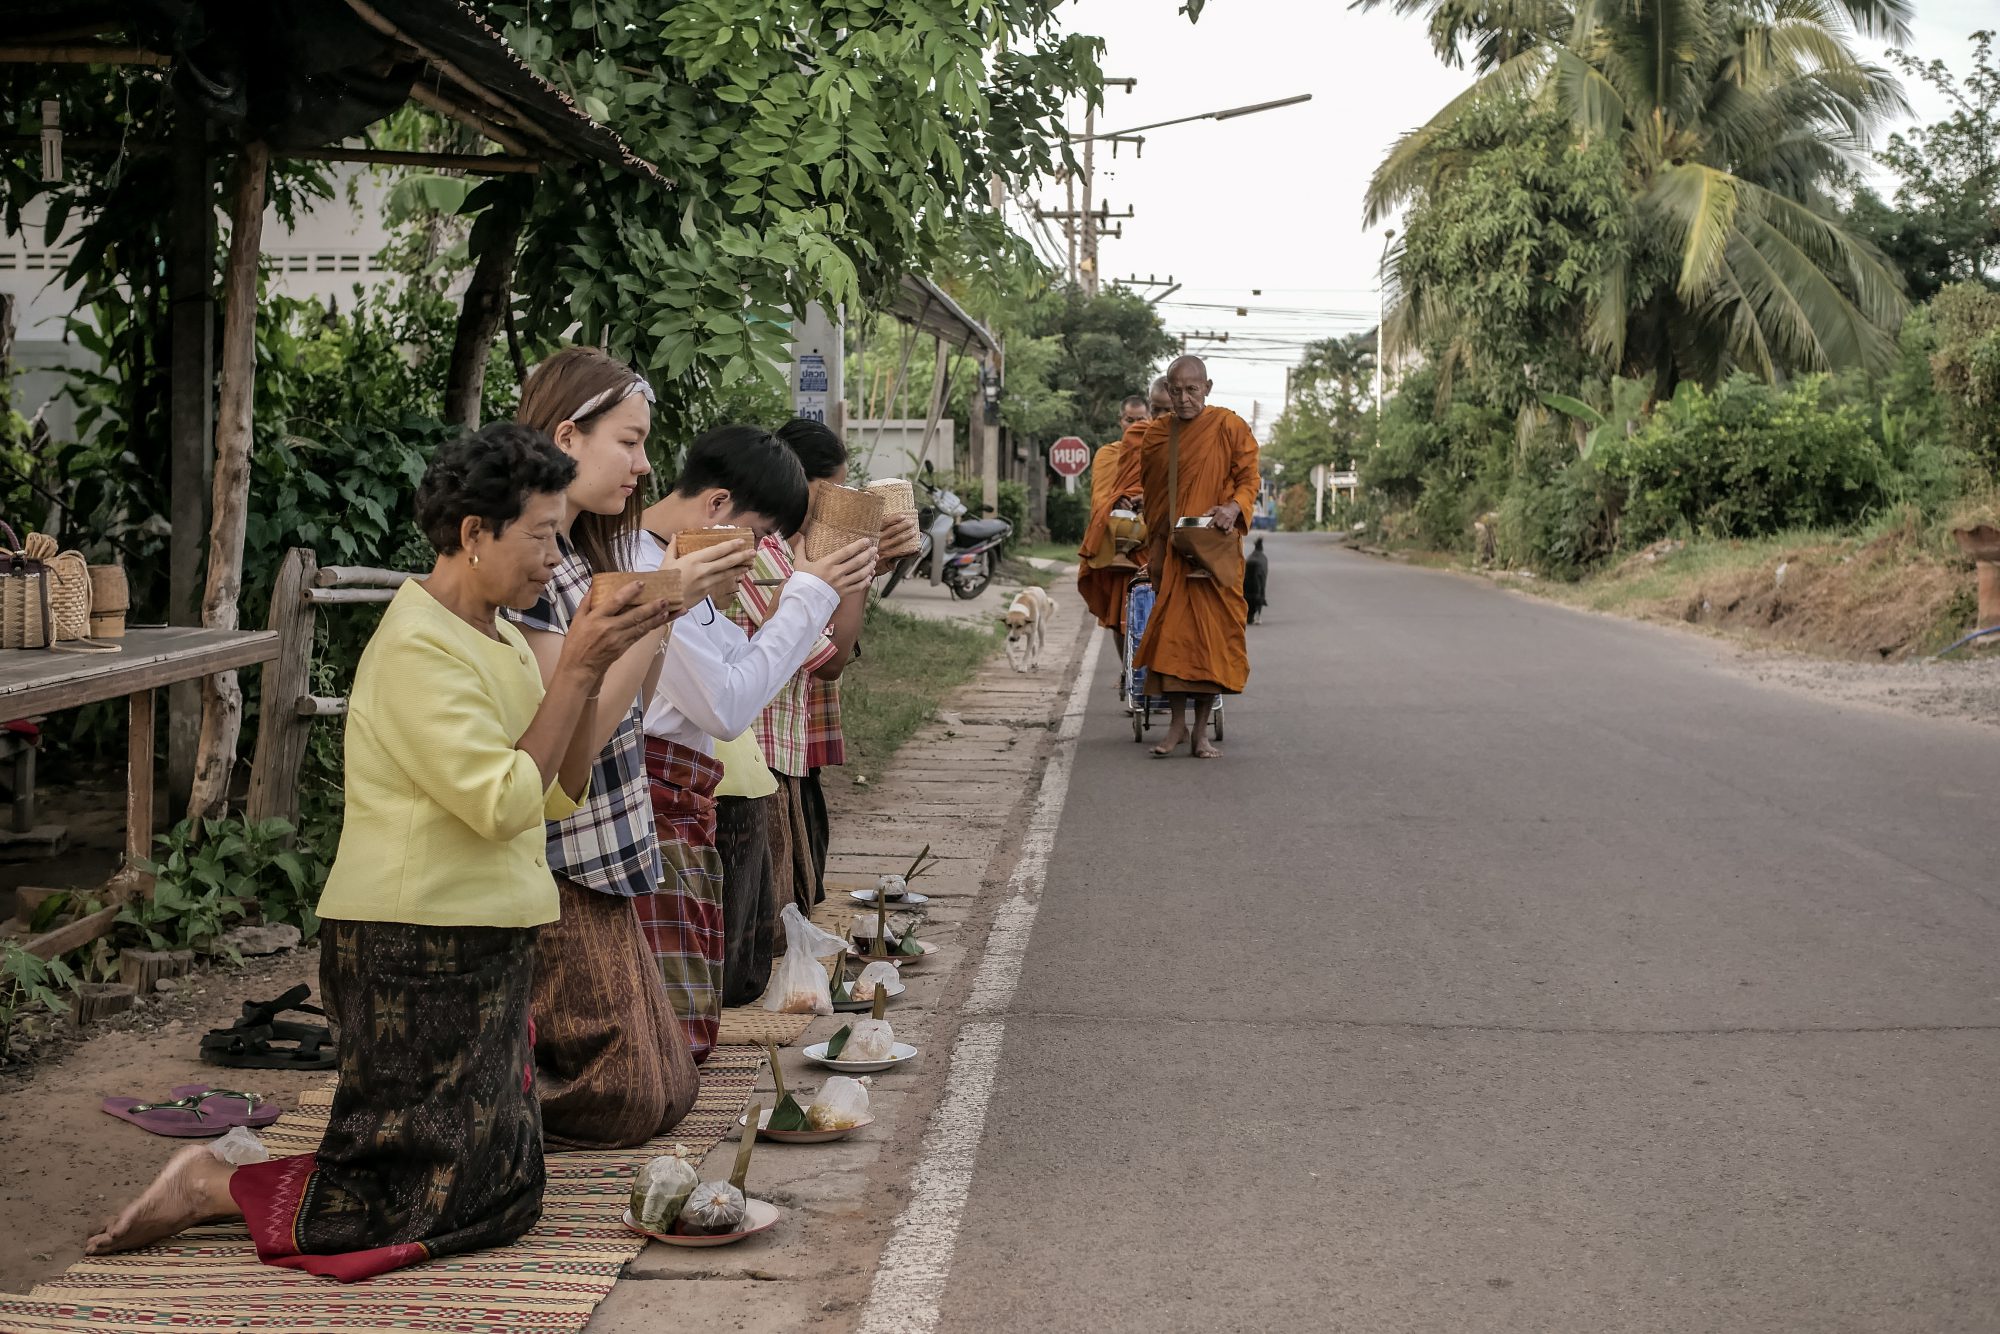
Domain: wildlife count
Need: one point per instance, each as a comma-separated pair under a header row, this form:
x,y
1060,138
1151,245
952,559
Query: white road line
x,y
909,1285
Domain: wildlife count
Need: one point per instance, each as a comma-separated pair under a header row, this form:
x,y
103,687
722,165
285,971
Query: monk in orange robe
x,y
1194,647
1100,577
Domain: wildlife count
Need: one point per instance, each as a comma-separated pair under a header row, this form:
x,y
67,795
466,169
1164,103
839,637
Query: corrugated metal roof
x,y
311,73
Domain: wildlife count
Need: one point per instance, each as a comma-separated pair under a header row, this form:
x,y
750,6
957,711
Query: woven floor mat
x,y
753,1025
550,1280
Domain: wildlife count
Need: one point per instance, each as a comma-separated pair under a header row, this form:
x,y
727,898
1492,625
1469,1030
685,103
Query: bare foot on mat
x,y
192,1188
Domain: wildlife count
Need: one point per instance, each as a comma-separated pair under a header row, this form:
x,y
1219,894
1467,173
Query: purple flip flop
x,y
198,1112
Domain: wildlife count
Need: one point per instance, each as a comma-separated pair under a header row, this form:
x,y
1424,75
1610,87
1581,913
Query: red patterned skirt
x,y
434,1144
683,919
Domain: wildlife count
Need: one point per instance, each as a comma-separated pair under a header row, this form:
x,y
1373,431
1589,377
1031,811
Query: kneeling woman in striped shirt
x,y
456,754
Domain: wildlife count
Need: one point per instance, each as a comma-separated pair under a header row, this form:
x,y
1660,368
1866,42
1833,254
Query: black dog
x,y
1256,575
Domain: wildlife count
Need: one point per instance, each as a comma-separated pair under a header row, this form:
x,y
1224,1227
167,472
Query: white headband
x,y
613,396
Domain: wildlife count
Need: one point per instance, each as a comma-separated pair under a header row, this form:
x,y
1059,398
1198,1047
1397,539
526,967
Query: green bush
x,y
1744,461
1556,518
1965,364
1067,512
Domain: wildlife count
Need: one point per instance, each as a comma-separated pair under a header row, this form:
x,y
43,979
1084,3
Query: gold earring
x,y
475,560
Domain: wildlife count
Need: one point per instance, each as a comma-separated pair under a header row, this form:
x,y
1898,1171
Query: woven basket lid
x,y
662,583
898,496
690,540
841,515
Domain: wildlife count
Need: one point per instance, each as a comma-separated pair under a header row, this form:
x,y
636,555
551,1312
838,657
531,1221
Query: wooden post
x,y
282,733
138,795
221,697
486,300
191,293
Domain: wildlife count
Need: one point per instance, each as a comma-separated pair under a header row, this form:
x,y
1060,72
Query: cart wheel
x,y
1138,728
1217,721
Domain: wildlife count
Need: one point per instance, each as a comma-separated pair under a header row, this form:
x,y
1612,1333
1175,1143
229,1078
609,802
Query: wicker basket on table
x,y
840,515
898,497
69,586
110,599
24,596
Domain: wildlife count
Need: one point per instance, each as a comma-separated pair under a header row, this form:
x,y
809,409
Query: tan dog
x,y
1026,617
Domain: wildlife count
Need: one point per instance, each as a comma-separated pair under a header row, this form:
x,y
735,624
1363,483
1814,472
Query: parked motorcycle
x,y
960,553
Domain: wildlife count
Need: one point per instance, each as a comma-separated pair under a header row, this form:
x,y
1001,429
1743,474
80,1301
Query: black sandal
x,y
253,1042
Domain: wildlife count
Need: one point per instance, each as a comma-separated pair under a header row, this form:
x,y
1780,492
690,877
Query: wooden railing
x,y
290,707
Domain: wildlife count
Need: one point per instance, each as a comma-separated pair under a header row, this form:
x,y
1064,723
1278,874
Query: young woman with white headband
x,y
611,1060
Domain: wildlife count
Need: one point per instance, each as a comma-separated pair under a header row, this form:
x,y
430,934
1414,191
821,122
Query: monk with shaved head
x,y
1103,576
1196,462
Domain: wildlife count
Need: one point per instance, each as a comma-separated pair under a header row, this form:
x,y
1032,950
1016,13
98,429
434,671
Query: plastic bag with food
x,y
715,1209
873,976
800,984
840,1104
662,1187
871,1040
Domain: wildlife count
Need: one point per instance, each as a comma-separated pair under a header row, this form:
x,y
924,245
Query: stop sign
x,y
1069,456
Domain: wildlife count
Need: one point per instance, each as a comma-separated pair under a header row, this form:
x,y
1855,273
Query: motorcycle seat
x,y
979,530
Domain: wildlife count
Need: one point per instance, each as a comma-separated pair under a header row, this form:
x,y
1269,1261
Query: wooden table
x,y
38,681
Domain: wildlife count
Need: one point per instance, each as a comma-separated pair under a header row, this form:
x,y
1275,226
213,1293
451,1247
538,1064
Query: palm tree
x,y
1732,117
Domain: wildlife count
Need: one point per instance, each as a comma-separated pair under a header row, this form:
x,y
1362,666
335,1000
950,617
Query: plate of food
x,y
867,1003
907,950
758,1216
909,898
838,1110
901,1053
672,1204
806,1136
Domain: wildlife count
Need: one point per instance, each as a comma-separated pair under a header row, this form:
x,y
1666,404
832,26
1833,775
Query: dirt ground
x,y
1884,600
1966,689
64,1164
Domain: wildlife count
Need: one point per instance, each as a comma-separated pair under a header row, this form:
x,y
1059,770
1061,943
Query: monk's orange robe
x,y
1194,642
1102,584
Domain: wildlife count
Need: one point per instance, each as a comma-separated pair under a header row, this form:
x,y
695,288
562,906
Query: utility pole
x,y
1089,173
1200,336
1381,319
1069,226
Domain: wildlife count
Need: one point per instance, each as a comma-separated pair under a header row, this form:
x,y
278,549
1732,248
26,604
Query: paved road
x,y
1515,970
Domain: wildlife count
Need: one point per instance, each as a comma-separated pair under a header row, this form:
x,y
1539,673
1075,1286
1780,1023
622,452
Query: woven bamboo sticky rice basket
x,y
663,583
690,540
68,576
898,497
110,599
24,596
840,515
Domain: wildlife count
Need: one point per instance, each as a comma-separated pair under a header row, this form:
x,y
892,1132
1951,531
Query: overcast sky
x,y
1273,201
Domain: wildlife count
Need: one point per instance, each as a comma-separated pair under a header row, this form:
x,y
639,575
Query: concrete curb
x,y
964,784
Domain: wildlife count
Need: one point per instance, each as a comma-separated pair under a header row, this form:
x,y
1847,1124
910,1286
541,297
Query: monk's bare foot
x,y
192,1188
1206,750
1175,736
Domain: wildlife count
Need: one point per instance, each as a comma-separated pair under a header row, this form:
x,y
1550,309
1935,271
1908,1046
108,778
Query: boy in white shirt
x,y
714,680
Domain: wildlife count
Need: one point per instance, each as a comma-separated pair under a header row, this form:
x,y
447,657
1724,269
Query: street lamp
x,y
1230,113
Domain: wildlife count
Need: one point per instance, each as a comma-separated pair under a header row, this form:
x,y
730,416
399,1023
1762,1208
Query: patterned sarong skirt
x,y
434,1145
683,919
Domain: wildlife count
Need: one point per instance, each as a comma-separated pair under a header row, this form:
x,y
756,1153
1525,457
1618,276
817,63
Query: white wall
x,y
332,249
899,452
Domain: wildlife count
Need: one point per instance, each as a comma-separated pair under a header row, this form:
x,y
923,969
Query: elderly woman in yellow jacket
x,y
456,754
